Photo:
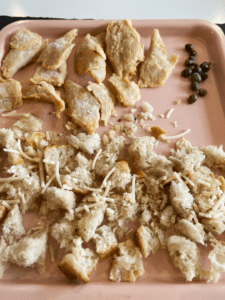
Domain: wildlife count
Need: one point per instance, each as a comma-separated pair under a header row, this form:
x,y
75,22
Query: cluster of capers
x,y
196,73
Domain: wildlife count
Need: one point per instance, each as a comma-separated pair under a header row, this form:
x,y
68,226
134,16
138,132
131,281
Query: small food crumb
x,y
179,101
157,131
175,123
162,116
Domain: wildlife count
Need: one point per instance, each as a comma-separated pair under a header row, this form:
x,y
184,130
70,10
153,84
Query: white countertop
x,y
210,10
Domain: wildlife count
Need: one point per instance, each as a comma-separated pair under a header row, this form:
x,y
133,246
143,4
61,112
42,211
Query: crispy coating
x,y
10,94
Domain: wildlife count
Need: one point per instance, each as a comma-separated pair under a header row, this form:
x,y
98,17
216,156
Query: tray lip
x,y
18,289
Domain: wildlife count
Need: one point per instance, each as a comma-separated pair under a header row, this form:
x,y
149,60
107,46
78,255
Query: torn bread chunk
x,y
217,258
36,139
90,58
105,241
28,250
45,93
123,48
25,48
10,94
57,198
79,264
58,153
167,216
127,265
105,98
150,239
63,232
12,227
113,151
127,92
185,256
121,176
194,232
85,142
89,222
214,157
56,53
26,126
8,141
53,77
215,225
83,107
180,198
140,149
156,68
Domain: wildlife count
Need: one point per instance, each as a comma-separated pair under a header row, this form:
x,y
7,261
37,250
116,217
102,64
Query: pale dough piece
x,y
25,48
54,77
106,99
45,93
123,48
91,57
83,107
128,92
56,53
156,68
10,94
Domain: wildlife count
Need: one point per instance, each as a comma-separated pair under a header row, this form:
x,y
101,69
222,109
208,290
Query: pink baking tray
x,y
205,118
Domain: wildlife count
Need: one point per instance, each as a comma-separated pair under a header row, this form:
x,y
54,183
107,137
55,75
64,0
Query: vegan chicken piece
x,y
90,58
83,107
10,94
57,52
25,48
123,48
156,68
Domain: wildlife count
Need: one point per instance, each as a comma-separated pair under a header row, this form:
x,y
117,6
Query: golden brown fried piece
x,y
56,53
105,98
83,107
10,94
128,92
25,47
45,93
91,57
123,48
53,77
156,68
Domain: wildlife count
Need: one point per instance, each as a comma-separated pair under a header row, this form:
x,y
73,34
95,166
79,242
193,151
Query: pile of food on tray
x,y
100,194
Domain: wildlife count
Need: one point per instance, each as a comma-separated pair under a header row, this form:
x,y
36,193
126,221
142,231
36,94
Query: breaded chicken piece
x,y
105,98
53,77
127,92
90,58
45,93
123,48
56,53
10,94
25,47
83,107
156,68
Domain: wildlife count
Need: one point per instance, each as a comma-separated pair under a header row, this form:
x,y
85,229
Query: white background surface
x,y
210,10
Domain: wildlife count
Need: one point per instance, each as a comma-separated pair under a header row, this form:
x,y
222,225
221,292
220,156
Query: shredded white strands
x,y
11,150
50,162
22,197
188,180
14,113
162,116
6,204
178,177
10,201
204,182
48,183
95,159
51,252
107,176
175,123
41,170
175,136
57,174
86,208
91,189
32,167
194,217
13,178
169,113
95,197
133,187
163,204
107,189
219,202
36,159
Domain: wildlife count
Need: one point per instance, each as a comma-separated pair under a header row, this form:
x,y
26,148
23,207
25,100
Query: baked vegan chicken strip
x,y
25,47
123,48
156,68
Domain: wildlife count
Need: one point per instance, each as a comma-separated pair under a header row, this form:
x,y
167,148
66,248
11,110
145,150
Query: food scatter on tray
x,y
95,191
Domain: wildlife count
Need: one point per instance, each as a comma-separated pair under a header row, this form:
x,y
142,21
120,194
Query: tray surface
x,y
205,119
